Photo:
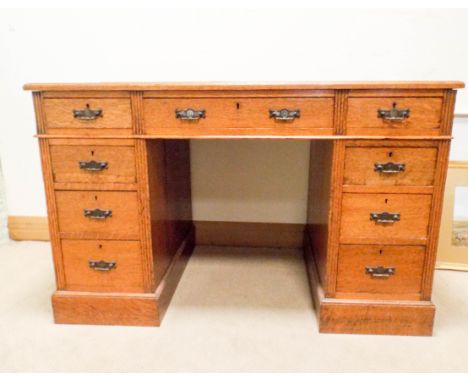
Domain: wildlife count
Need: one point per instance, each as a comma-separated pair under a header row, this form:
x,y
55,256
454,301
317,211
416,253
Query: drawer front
x,y
83,164
102,266
122,207
110,113
377,269
395,114
411,227
390,166
252,113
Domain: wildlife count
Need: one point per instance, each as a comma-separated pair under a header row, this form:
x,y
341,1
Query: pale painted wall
x,y
3,210
250,181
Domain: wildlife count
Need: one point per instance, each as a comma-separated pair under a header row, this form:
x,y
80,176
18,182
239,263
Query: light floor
x,y
236,309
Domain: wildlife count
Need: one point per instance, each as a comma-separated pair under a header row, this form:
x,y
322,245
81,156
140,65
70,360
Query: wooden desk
x,y
116,166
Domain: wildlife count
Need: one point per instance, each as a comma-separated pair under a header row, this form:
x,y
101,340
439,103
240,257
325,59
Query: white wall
x,y
3,210
211,45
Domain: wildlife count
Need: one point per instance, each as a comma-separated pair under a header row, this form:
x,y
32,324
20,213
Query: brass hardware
x,y
92,165
285,114
87,114
97,213
389,168
384,217
380,272
102,265
190,114
394,114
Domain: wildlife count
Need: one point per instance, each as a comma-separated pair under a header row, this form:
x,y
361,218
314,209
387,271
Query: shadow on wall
x,y
3,210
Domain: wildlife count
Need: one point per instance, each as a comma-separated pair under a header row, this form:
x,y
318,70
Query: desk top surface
x,y
162,86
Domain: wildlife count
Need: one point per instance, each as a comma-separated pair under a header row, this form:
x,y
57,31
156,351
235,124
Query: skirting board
x,y
207,232
240,234
28,228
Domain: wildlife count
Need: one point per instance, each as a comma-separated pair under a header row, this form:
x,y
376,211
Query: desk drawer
x,y
374,269
229,113
396,218
390,166
88,113
98,214
102,266
393,114
98,164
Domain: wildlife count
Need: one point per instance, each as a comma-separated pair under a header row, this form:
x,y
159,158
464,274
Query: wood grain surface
x,y
358,228
148,188
66,160
116,113
187,86
127,276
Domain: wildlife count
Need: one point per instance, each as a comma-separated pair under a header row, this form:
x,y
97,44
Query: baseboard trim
x,y
452,266
28,228
244,234
236,234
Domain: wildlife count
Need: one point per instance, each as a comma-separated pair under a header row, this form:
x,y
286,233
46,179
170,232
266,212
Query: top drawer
x,y
88,113
247,116
394,115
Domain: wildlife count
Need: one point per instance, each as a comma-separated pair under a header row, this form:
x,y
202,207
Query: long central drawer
x,y
277,114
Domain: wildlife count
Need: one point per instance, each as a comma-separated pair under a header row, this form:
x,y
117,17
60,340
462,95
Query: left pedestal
x,y
119,208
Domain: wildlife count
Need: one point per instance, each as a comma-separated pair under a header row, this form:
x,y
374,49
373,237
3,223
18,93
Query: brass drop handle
x,y
97,214
93,165
389,168
380,272
190,114
87,114
394,114
101,265
384,217
285,114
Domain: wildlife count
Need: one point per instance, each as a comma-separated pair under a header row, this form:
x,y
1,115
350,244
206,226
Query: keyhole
x,y
87,106
390,154
95,197
92,152
237,105
386,201
100,246
380,251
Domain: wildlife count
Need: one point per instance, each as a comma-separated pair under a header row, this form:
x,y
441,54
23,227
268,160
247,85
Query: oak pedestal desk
x,y
116,168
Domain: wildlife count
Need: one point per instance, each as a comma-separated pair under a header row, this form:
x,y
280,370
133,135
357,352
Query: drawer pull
x,y
394,114
97,213
92,165
190,114
285,114
87,114
385,217
102,265
389,168
380,272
